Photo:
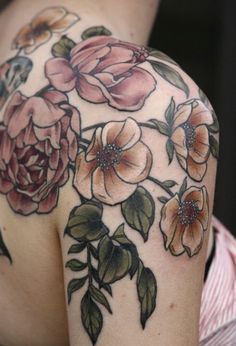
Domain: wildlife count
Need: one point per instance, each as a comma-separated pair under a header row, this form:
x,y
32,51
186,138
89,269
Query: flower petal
x,y
95,42
135,163
52,133
5,185
21,203
179,139
73,145
200,150
119,69
169,219
193,238
60,74
91,89
38,41
74,120
55,96
95,145
124,134
86,60
66,22
203,216
195,170
195,194
117,55
49,16
182,115
201,115
54,160
83,176
109,188
176,246
16,100
23,38
131,93
49,203
7,146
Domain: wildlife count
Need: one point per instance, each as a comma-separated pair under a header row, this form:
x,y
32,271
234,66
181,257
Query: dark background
x,y
201,36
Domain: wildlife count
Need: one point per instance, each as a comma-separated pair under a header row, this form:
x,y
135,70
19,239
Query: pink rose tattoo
x,y
38,138
104,69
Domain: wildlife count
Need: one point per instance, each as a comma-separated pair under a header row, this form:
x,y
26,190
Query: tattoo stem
x,y
82,146
42,90
84,140
159,183
18,52
150,126
92,127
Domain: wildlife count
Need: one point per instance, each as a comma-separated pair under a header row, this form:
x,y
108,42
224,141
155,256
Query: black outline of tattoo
x,y
112,255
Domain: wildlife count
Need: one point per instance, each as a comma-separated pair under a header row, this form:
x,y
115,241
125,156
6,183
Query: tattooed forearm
x,y
44,139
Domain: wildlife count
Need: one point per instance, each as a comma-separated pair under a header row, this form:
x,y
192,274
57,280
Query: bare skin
x,y
32,289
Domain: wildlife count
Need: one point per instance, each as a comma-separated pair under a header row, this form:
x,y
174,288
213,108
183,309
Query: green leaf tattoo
x,y
62,48
75,285
162,56
147,291
138,211
214,146
76,265
3,248
99,297
170,75
91,317
114,261
95,31
85,222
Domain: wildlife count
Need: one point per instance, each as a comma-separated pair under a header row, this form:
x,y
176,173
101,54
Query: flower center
x,y
190,134
39,29
141,54
109,156
188,212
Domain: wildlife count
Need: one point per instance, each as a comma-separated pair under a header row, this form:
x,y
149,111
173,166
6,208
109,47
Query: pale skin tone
x,y
32,290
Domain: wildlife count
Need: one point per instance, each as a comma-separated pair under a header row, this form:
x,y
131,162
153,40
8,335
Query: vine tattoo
x,y
42,140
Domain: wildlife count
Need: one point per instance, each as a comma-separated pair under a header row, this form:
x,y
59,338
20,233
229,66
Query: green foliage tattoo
x,y
109,161
3,248
109,259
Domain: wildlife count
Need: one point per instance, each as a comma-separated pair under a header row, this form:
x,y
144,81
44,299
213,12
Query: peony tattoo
x,y
43,141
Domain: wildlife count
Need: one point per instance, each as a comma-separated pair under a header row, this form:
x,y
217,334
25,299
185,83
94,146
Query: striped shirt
x,y
218,308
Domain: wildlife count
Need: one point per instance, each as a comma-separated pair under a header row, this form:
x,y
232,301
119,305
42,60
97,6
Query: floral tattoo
x,y
42,142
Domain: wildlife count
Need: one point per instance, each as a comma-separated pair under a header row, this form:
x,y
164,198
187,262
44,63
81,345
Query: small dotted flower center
x,y
109,156
190,134
188,212
39,29
141,54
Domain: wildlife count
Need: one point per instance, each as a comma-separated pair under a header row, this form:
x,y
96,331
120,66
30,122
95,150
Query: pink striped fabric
x,y
218,308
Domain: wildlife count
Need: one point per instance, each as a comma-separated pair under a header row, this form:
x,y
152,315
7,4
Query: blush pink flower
x,y
114,163
184,221
38,138
104,69
191,138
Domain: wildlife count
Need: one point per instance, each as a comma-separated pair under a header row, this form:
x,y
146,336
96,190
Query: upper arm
x,y
127,146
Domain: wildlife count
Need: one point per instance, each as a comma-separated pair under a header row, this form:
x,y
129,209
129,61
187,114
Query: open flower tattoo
x,y
42,141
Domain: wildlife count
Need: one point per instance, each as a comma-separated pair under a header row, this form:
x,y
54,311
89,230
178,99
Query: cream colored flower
x,y
191,138
184,220
40,30
114,163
